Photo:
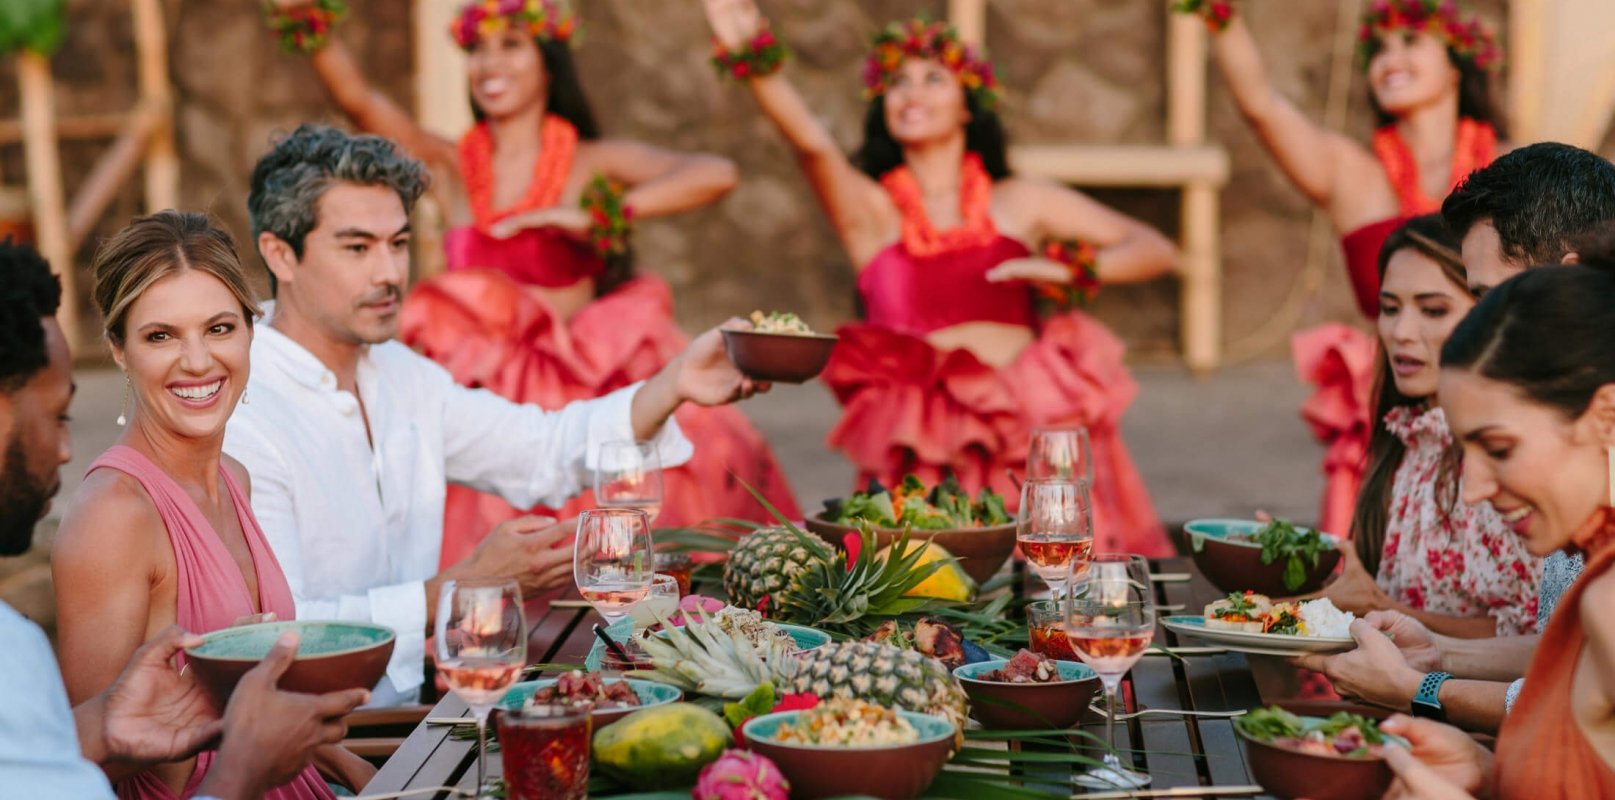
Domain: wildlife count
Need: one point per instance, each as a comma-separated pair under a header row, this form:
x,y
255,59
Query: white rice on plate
x,y
1323,619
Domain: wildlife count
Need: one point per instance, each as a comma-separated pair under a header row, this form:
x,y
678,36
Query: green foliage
x,y
1280,539
35,25
944,506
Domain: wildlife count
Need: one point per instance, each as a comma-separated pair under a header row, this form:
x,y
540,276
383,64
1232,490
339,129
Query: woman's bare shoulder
x,y
109,518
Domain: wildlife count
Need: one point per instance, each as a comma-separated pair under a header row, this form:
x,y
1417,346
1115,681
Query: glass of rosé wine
x,y
545,750
1055,529
629,475
612,559
480,649
1059,453
1110,622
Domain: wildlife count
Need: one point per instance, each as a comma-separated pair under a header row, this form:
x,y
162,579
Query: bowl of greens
x,y
1338,757
1275,558
978,530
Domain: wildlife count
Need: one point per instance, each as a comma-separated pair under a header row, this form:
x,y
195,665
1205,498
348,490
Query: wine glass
x,y
612,559
662,598
481,647
629,475
1110,623
1055,529
1060,453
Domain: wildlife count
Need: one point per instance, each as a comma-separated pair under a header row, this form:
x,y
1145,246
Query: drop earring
x,y
246,400
123,408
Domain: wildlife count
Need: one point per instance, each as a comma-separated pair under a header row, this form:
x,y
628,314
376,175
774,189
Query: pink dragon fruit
x,y
741,775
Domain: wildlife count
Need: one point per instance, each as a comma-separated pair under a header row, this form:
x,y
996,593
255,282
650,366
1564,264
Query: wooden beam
x,y
36,91
113,169
1200,265
156,97
970,17
1124,165
84,126
1185,80
1527,58
442,102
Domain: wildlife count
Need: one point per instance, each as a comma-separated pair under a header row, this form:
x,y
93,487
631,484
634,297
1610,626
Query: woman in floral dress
x,y
1418,548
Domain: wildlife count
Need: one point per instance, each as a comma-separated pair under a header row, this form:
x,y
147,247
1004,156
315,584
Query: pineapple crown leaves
x,y
701,657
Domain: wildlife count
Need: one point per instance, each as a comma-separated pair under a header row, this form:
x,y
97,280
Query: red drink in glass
x,y
1045,624
545,750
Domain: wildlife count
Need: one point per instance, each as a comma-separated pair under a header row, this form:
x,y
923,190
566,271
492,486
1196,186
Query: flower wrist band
x,y
763,55
1083,261
610,219
305,29
1216,13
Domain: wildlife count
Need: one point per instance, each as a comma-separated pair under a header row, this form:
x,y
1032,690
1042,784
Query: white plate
x,y
1262,644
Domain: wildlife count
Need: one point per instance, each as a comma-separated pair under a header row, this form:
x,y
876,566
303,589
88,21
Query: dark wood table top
x,y
1196,756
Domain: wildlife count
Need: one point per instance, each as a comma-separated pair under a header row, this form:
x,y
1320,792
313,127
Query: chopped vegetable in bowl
x,y
779,322
848,723
942,507
1341,735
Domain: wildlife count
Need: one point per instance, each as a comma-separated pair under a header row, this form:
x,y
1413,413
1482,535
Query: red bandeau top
x,y
920,295
1362,248
534,256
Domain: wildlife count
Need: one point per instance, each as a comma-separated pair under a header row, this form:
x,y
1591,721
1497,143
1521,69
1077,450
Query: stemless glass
x,y
612,559
480,648
1110,624
1060,453
545,750
662,598
629,475
1055,529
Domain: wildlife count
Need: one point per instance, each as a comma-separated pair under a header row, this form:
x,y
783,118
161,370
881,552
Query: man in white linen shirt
x,y
152,712
351,437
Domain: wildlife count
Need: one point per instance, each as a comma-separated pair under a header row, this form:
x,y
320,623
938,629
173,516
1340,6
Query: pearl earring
x,y
123,418
247,401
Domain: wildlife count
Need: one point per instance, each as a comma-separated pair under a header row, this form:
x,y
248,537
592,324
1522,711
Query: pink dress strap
x,y
210,594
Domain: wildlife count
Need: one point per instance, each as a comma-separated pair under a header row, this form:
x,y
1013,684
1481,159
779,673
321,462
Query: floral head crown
x,y
919,38
1469,38
549,20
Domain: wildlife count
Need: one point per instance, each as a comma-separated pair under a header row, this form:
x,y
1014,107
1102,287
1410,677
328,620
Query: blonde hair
x,y
153,247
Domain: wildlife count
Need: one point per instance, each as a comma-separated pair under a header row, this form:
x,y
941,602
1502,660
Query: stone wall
x,y
1074,71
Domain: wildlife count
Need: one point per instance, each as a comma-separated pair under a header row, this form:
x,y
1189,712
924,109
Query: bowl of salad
x,y
849,747
1275,558
1338,757
979,531
780,347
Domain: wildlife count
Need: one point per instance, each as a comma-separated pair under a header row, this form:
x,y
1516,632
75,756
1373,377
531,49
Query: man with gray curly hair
x,y
351,438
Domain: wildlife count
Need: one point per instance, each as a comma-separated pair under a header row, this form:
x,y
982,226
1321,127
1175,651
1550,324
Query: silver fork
x,y
1169,712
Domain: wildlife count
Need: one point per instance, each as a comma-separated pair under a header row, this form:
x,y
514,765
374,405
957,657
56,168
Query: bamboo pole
x,y
151,53
36,89
84,126
114,167
1199,261
970,17
1526,59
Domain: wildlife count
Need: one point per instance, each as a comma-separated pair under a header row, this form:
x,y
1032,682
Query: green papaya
x,y
662,747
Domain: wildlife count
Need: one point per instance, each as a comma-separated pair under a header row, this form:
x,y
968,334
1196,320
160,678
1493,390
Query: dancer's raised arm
x,y
1128,251
857,207
368,107
1317,160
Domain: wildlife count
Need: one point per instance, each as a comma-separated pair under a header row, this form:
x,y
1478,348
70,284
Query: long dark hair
x,y
1546,331
568,101
1477,94
1430,237
984,136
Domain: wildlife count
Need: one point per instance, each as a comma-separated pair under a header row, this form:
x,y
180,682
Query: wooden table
x,y
1178,752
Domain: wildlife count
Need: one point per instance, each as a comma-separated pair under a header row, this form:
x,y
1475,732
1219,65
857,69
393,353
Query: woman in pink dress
x,y
1419,549
1431,86
161,531
952,366
541,303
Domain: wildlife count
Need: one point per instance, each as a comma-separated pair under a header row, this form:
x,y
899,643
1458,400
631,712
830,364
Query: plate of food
x,y
978,530
1274,558
780,347
1338,757
1253,623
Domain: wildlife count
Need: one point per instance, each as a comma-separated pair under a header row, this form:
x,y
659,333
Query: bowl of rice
x,y
780,347
850,747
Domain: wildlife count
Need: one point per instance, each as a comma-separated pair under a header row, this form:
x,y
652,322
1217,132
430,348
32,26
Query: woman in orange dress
x,y
1528,384
952,366
1430,79
540,303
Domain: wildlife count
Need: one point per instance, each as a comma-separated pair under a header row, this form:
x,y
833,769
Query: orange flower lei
x,y
558,141
920,237
1474,147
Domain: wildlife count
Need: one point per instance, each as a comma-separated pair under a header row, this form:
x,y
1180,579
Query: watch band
x,y
1426,702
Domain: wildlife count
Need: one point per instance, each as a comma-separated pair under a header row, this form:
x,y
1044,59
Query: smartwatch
x,y
1426,703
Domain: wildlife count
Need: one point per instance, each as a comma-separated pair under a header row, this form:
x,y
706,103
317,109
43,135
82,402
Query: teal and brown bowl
x,y
981,551
1234,565
891,772
1028,706
331,656
779,357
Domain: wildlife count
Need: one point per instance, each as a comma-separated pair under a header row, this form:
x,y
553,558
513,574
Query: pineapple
x,y
878,673
794,577
763,563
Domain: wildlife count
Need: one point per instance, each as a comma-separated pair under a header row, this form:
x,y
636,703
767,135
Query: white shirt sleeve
x,y
400,606
39,748
531,456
